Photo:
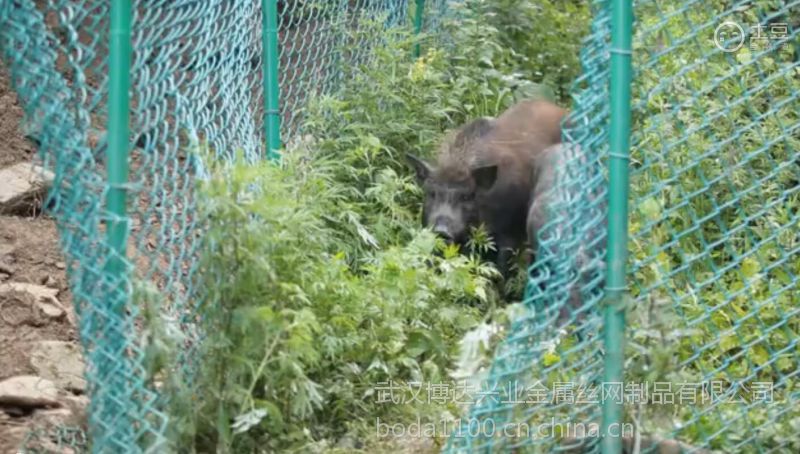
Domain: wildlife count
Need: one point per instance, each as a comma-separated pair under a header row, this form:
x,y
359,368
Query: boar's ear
x,y
421,168
485,176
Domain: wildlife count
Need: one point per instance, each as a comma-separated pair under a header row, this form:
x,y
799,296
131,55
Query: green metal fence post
x,y
619,143
269,62
118,130
117,229
419,10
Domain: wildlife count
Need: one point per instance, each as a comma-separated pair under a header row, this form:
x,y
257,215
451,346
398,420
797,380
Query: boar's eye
x,y
466,197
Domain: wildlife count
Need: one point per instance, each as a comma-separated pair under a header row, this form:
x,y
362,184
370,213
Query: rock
x,y
78,405
60,362
6,249
50,282
21,185
44,297
41,293
28,391
5,268
19,308
51,311
55,417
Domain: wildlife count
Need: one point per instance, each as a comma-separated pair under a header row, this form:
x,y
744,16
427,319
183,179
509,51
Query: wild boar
x,y
483,175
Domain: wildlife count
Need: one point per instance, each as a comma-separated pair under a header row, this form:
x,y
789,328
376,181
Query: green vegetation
x,y
298,340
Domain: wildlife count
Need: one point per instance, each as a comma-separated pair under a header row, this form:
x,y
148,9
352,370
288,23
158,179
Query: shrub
x,y
296,339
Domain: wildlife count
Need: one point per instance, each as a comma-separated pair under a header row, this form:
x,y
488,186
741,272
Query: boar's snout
x,y
447,221
444,232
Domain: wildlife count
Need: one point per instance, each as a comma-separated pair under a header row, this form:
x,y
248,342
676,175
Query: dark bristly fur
x,y
484,174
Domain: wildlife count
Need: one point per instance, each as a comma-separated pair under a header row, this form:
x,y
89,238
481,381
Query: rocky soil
x,y
42,387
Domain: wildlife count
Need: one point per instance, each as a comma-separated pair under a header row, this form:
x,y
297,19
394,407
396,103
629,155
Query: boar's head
x,y
454,187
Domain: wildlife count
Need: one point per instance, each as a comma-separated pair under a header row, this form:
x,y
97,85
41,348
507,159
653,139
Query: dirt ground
x,y
14,147
29,254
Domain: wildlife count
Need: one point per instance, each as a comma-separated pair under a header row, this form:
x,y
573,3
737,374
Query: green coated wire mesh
x,y
196,75
712,337
715,236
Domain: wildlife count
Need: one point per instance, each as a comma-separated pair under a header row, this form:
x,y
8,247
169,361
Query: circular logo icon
x,y
729,36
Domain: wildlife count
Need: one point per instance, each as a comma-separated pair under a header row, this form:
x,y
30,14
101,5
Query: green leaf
x,y
750,267
651,209
550,358
729,342
759,354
